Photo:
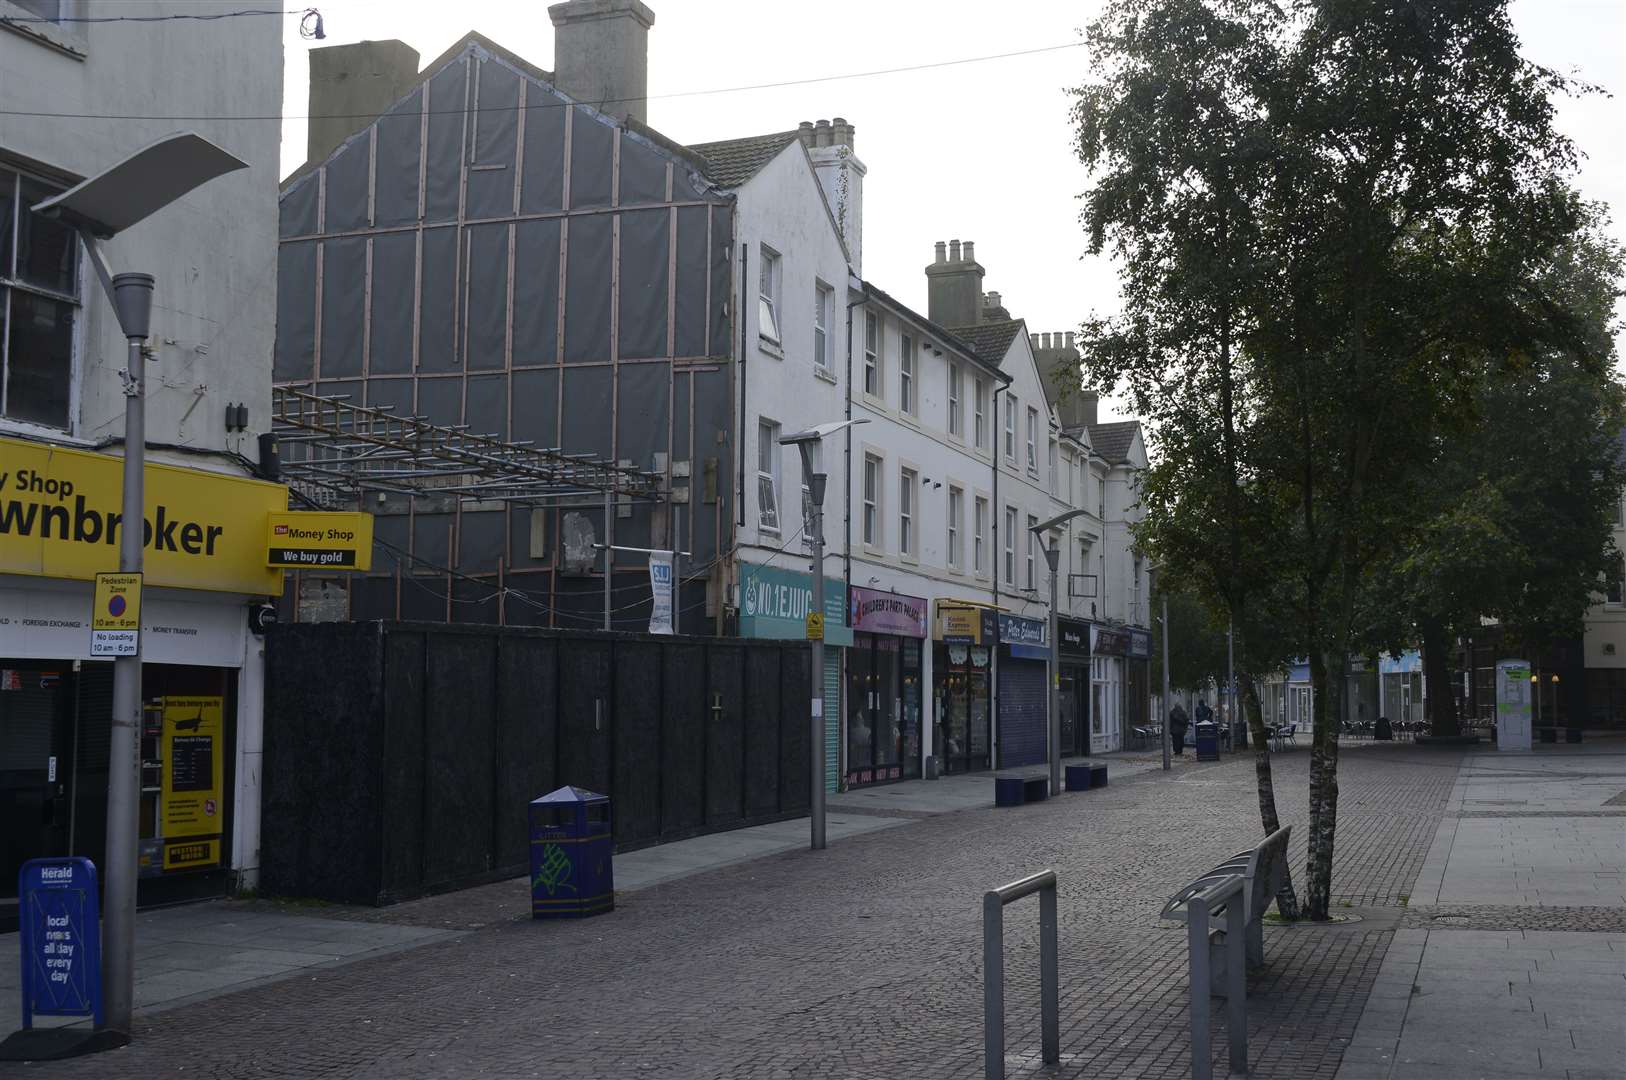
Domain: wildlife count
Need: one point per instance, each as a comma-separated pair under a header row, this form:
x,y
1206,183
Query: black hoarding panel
x,y
347,177
396,392
587,428
762,732
474,602
441,399
297,215
296,311
689,310
390,346
542,185
722,285
344,290
642,408
637,810
684,718
480,543
725,734
527,738
795,756
587,289
645,248
536,292
643,172
488,297
432,547
486,410
536,407
402,830
585,721
459,757
437,318
496,126
592,146
447,115
395,173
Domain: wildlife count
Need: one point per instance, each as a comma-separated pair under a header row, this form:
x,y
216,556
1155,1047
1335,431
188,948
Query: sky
x,y
978,151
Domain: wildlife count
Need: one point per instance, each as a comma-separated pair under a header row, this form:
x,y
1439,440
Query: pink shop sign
x,y
876,612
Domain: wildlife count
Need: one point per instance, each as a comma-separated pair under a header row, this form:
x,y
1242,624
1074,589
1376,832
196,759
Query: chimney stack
x,y
1058,360
841,176
601,54
954,287
351,85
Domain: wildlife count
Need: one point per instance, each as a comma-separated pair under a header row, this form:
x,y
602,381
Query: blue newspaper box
x,y
571,874
1207,741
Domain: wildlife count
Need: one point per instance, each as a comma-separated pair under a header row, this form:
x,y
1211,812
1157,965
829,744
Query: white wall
x,y
213,253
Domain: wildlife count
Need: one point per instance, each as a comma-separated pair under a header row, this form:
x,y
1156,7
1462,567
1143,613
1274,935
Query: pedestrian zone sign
x,y
115,618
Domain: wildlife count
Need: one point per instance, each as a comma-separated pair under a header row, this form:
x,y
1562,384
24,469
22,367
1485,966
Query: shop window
x,y
39,306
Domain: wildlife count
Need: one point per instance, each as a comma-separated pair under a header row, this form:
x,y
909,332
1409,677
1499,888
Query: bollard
x,y
993,971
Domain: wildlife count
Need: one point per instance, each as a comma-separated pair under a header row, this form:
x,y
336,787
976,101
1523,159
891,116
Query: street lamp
x,y
1052,556
1162,720
809,443
101,208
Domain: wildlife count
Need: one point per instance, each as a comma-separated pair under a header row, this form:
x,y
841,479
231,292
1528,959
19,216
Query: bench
x,y
1084,777
1262,869
1014,789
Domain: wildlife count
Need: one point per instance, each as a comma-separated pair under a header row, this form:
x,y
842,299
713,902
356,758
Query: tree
x,y
1328,213
1196,641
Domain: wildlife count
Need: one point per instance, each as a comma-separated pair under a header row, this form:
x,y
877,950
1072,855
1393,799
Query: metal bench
x,y
1262,869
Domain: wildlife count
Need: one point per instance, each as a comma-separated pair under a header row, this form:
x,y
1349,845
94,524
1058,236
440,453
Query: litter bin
x,y
1207,741
571,873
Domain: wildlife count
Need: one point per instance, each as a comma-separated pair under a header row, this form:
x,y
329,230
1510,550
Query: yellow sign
x,y
312,540
59,518
191,853
815,626
192,747
963,623
118,602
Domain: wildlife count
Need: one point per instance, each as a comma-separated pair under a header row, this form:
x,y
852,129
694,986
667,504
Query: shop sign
x,y
775,603
319,540
61,939
1073,638
115,615
50,620
1140,644
190,798
59,518
876,612
1111,641
1016,630
964,624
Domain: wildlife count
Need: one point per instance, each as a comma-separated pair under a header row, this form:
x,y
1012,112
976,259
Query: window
x,y
49,10
1101,498
908,481
872,500
906,376
1618,519
956,506
1033,540
1010,427
823,301
1055,468
1010,546
768,305
1617,583
954,425
1033,441
979,407
39,288
872,354
979,536
768,474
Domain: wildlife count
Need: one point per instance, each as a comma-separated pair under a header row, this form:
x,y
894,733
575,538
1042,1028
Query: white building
x,y
69,88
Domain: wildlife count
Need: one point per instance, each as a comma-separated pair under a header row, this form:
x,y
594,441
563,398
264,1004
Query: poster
x,y
660,587
190,805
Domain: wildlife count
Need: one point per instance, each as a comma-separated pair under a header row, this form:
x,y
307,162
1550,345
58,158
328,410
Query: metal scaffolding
x,y
333,451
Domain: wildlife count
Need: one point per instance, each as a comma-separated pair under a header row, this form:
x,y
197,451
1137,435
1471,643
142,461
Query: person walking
x,y
1178,723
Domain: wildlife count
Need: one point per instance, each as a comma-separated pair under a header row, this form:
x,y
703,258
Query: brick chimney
x,y
954,286
830,144
351,86
601,54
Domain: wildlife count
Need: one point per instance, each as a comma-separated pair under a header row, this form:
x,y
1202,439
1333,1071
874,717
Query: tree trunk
x,y
1323,787
1441,703
1287,901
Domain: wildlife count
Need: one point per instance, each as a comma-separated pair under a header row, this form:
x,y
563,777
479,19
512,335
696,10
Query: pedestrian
x,y
1178,722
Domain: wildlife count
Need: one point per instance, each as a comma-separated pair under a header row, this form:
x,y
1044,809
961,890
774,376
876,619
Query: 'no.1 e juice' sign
x,y
61,939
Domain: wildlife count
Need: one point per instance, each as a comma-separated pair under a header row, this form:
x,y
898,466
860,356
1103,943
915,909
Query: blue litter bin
x,y
571,871
1207,741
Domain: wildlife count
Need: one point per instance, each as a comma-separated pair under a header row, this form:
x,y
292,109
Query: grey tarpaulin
x,y
394,257
391,392
592,145
641,418
437,319
536,293
587,291
296,311
431,542
487,297
480,540
542,184
444,160
346,199
400,132
587,396
642,316
643,175
689,309
486,412
441,400
298,217
721,273
536,407
496,127
344,273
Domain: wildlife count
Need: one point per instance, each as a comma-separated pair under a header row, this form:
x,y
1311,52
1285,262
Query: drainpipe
x,y
847,492
998,515
739,475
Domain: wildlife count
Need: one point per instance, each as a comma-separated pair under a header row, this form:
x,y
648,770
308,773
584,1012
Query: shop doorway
x,y
963,693
883,709
1074,698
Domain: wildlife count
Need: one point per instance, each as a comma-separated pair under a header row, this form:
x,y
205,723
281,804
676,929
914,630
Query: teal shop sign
x,y
774,604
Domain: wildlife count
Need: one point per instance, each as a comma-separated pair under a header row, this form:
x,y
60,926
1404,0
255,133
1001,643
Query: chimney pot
x,y
1033,339
1044,341
940,247
954,251
1070,344
804,132
969,257
821,133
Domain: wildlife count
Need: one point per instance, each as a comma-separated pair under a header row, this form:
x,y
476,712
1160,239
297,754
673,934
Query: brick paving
x,y
862,961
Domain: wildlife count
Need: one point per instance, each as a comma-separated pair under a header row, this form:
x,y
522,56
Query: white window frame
x,y
769,270
1033,582
979,408
1033,441
1010,428
768,472
908,400
1055,466
956,424
979,535
873,386
12,285
870,478
823,300
908,497
1010,546
955,555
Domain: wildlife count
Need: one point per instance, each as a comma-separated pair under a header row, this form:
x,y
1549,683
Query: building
x,y
61,424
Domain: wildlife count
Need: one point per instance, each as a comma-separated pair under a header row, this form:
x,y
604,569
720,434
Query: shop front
x,y
774,603
202,681
885,678
1023,658
964,635
1073,684
1138,680
1109,645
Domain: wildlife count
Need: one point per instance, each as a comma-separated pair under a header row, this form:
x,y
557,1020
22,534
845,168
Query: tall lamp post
x,y
809,443
1052,556
101,208
1163,721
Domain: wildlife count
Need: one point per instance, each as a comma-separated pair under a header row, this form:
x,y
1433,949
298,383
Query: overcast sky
x,y
978,151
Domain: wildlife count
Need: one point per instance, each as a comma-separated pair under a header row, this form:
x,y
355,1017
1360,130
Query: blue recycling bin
x,y
571,871
1207,741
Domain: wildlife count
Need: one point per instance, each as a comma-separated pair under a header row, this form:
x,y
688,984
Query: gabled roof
x,y
731,162
950,337
1112,441
991,340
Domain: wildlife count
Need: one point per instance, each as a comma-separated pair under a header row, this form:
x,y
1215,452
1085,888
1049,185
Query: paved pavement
x,y
1512,965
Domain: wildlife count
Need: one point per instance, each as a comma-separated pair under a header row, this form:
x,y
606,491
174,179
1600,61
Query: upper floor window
x,y
1619,520
39,303
1033,540
872,354
768,474
954,424
872,500
1055,468
768,307
908,481
1617,582
1010,427
1101,499
1010,545
823,301
979,536
906,376
979,408
1033,441
956,507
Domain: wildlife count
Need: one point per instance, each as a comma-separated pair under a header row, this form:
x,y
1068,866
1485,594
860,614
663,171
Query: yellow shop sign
x,y
59,518
318,539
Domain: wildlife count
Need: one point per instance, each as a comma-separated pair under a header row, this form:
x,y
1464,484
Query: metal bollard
x,y
993,970
1199,909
